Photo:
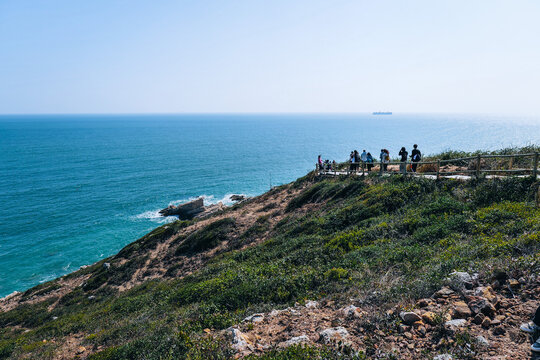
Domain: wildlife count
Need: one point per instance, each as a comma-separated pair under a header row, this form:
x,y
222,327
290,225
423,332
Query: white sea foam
x,y
154,215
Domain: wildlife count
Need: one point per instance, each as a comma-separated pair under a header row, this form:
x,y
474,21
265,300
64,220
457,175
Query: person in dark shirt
x,y
416,156
403,166
369,161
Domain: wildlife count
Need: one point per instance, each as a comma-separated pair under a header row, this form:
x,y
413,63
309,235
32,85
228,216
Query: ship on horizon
x,y
382,113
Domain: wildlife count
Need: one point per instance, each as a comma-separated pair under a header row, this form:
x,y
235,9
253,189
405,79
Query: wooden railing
x,y
498,165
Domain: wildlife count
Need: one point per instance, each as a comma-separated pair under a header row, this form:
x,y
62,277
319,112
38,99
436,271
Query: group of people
x,y
367,160
364,158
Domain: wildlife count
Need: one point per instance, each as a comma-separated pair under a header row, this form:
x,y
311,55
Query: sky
x,y
253,56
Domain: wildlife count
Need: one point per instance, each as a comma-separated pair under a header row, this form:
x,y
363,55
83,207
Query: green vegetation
x,y
388,239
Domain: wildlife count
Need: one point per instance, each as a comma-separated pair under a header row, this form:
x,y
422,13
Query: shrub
x,y
206,238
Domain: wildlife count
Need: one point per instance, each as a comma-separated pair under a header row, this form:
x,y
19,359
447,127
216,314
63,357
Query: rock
x,y
429,317
455,324
461,310
274,313
404,328
479,304
478,319
107,266
185,211
91,297
409,317
444,292
333,335
486,292
460,280
237,198
81,349
486,323
351,311
500,275
481,341
408,335
10,296
443,357
422,303
514,283
499,331
421,330
238,340
310,304
417,324
302,339
255,318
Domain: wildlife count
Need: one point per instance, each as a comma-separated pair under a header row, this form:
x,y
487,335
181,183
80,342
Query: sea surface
x,y
75,189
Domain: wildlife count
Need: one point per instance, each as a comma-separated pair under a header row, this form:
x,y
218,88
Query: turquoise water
x,y
76,189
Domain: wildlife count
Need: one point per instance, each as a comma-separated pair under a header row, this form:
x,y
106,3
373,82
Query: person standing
x,y
416,156
363,158
369,161
385,159
351,161
403,166
533,328
320,163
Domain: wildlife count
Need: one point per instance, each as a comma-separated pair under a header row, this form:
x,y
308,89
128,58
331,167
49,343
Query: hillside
x,y
332,268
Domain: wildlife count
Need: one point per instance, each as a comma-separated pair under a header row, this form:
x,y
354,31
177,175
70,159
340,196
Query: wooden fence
x,y
495,165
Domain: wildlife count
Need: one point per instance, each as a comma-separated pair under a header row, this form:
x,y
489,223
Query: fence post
x,y
438,169
535,167
478,166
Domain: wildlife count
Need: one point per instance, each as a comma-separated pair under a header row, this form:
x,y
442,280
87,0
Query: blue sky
x,y
474,56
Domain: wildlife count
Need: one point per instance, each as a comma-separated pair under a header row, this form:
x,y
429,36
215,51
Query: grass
x,y
397,236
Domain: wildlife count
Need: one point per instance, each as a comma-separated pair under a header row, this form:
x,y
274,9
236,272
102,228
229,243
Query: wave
x,y
154,216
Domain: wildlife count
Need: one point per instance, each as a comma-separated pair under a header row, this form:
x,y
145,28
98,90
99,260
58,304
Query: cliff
x,y
371,267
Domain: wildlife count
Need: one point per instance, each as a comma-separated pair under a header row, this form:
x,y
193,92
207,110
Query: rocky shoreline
x,y
196,209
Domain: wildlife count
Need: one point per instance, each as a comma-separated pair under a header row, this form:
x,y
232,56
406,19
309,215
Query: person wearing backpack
x,y
403,166
369,161
416,156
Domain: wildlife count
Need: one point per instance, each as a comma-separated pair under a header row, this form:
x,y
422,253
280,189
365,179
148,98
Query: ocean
x,y
75,189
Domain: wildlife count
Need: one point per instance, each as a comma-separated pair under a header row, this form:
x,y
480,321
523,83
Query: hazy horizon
x,y
245,57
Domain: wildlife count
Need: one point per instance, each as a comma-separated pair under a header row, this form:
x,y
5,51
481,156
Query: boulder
x,y
479,318
455,324
238,340
443,357
481,341
255,318
351,311
302,339
334,335
409,317
237,198
185,211
444,292
461,310
311,304
429,317
459,280
486,292
479,304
